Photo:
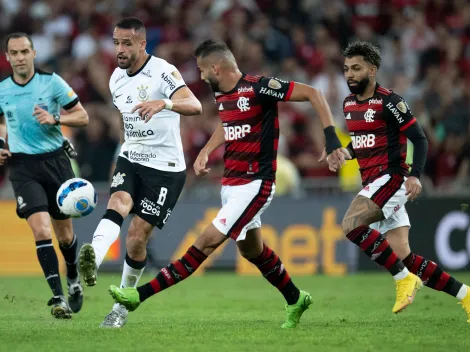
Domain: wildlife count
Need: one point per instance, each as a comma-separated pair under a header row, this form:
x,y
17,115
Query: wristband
x,y
332,140
168,104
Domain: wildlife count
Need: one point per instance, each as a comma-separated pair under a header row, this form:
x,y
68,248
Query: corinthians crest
x,y
143,95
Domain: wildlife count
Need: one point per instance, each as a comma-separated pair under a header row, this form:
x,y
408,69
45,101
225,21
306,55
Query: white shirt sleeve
x,y
171,81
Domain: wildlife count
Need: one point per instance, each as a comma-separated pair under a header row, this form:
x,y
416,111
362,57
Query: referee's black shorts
x,y
36,180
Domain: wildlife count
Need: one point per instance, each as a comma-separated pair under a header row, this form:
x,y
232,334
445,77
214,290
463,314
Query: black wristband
x,y
2,143
332,140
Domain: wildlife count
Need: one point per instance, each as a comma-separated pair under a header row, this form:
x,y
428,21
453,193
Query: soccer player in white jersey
x,y
150,171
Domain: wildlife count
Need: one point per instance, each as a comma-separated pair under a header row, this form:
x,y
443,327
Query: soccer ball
x,y
76,197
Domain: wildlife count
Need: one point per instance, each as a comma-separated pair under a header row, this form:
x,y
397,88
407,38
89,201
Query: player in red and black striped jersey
x,y
249,128
380,122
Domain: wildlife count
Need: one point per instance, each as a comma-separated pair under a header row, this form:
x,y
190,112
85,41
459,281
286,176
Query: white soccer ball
x,y
76,197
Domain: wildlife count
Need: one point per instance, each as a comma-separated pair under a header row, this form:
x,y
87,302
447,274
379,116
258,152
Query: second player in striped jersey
x,y
249,128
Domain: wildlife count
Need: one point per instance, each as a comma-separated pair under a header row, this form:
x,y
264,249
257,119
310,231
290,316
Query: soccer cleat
x,y
406,291
60,308
86,262
295,311
465,302
129,297
117,318
75,296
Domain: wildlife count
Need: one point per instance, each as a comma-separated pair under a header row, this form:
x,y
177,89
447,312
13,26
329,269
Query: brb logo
x,y
236,132
364,141
452,256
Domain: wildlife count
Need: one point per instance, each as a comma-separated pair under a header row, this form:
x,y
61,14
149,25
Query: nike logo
x,y
146,212
117,96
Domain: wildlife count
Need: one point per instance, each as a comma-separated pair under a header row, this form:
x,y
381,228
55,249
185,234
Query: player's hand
x,y
200,164
149,108
336,159
4,155
413,188
43,117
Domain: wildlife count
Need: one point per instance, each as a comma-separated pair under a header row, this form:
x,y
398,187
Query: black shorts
x,y
36,180
154,192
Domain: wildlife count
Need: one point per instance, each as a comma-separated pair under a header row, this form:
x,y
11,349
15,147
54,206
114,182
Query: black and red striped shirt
x,y
377,126
250,120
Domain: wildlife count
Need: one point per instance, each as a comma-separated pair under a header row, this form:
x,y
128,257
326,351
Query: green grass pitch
x,y
225,312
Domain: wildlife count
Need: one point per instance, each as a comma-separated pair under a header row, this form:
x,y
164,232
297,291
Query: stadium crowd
x,y
425,47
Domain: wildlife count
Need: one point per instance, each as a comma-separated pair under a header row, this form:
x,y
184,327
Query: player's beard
x,y
213,84
128,63
360,86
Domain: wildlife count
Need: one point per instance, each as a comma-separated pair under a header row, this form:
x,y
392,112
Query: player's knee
x,y
210,240
347,225
42,232
249,253
120,202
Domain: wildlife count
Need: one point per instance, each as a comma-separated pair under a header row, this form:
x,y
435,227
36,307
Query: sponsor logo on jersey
x,y
395,112
176,74
243,104
272,93
118,79
369,115
233,133
363,141
149,207
245,90
145,157
274,84
130,133
70,93
168,81
375,101
348,116
147,73
349,103
143,94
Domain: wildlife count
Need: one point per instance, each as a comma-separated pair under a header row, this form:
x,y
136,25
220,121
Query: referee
x,y
30,103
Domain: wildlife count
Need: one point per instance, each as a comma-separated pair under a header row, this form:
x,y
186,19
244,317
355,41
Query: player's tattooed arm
x,y
362,211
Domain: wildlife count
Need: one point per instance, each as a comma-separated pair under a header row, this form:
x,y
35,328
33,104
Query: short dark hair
x,y
210,46
369,51
17,35
131,23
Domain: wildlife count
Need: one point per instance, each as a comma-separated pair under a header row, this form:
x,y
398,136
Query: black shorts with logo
x,y
36,180
154,192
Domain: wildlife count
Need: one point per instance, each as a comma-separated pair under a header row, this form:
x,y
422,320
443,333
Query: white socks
x,y
462,292
105,235
401,275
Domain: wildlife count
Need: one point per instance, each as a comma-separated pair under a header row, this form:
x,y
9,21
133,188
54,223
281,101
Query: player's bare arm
x,y
183,102
4,153
362,211
303,92
76,117
216,140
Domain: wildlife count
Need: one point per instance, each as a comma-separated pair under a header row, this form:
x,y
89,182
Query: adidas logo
x,y
221,107
348,117
223,221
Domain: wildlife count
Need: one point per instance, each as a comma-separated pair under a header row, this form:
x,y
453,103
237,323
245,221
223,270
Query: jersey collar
x,y
366,100
234,89
23,84
140,69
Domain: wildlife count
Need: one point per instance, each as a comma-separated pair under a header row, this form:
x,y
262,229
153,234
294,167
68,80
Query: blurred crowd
x,y
425,48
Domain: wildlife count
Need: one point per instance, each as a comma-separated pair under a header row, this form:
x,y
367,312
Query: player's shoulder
x,y
7,81
116,76
158,64
252,78
44,73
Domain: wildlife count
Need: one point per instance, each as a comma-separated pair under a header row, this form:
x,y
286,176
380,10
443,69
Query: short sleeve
x,y
398,112
273,89
63,93
171,81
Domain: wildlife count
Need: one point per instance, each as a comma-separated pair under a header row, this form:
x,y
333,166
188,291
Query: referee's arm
x,y
76,117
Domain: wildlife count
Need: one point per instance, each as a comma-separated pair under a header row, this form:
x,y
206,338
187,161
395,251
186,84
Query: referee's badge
x,y
143,94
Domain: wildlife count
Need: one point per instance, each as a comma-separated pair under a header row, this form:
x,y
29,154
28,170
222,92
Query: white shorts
x,y
242,207
388,192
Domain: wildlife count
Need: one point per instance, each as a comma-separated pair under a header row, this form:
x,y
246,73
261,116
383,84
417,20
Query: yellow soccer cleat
x,y
465,302
406,291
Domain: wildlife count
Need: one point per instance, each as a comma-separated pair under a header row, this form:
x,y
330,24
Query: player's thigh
x,y
54,172
158,194
242,208
124,186
31,197
252,246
